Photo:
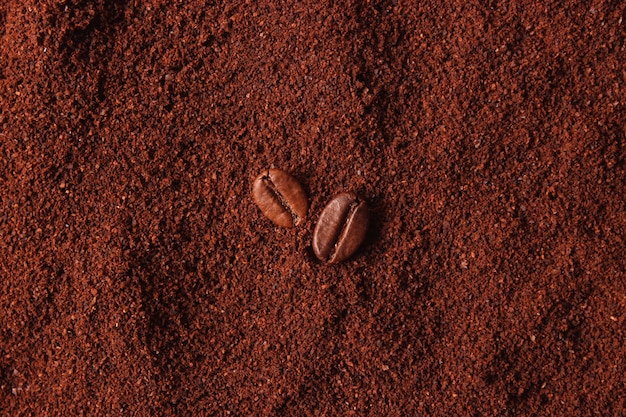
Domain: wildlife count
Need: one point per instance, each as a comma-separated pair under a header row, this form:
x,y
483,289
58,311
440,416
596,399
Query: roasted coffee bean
x,y
280,197
341,228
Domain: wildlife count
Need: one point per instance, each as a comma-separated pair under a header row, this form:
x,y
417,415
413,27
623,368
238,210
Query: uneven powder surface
x,y
138,277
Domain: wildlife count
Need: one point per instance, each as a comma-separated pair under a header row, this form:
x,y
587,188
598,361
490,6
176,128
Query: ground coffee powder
x,y
137,276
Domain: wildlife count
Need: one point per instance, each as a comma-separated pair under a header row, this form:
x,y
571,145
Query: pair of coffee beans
x,y
341,228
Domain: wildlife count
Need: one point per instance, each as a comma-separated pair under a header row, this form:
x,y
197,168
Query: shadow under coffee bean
x,y
341,228
280,197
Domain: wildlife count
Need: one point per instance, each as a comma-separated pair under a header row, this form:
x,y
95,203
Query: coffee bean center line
x,y
272,187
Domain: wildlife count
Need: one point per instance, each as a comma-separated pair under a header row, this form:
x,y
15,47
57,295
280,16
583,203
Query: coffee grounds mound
x,y
138,277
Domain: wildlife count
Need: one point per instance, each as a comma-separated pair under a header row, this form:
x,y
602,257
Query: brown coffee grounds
x,y
138,277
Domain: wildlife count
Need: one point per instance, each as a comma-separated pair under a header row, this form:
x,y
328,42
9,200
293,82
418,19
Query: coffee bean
x,y
280,197
341,228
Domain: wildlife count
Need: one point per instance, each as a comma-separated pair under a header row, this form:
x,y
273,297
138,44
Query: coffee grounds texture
x,y
138,277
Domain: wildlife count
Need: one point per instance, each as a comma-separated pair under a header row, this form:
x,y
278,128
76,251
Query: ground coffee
x,y
138,277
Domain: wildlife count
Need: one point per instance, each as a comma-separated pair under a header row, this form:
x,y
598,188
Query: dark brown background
x,y
139,278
